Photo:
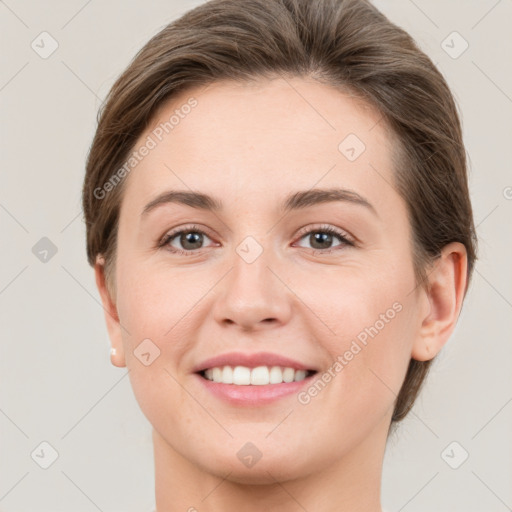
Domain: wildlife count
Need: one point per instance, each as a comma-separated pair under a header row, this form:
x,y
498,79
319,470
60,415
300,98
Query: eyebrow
x,y
295,201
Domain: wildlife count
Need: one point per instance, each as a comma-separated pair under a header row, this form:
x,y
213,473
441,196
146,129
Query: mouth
x,y
253,379
241,386
257,376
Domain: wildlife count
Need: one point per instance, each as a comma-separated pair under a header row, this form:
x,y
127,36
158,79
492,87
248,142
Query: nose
x,y
253,296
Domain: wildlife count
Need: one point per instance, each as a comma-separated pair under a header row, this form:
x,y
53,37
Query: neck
x,y
352,484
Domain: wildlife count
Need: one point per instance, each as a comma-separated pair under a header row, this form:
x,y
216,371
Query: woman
x,y
279,222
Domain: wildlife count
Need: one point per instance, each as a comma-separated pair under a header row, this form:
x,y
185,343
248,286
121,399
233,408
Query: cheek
x,y
154,311
364,380
374,320
152,301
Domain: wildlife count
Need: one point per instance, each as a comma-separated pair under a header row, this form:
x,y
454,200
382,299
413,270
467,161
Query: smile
x,y
259,376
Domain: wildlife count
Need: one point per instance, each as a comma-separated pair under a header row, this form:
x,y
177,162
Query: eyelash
x,y
343,237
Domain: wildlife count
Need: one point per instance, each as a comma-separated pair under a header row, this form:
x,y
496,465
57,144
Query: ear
x,y
445,291
111,317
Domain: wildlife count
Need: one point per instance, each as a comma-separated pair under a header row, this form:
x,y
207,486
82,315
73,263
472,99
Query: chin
x,y
245,463
262,473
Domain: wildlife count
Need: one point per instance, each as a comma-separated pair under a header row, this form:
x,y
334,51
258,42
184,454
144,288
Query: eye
x,y
321,238
191,239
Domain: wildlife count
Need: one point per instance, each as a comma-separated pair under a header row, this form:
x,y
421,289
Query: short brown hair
x,y
348,44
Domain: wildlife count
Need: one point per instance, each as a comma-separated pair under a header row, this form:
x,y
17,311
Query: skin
x,y
250,146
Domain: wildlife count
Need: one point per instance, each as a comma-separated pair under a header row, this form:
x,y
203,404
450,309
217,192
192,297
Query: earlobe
x,y
111,315
445,292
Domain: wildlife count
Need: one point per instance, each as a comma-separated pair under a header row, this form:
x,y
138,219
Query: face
x,y
278,270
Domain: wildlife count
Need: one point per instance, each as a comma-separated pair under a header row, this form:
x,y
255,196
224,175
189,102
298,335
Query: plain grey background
x,y
453,452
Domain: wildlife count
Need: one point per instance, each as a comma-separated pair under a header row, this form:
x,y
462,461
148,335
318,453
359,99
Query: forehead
x,y
262,138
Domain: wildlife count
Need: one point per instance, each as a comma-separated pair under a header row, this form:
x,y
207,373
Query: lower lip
x,y
253,395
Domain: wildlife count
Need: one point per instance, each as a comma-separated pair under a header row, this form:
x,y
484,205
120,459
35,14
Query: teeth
x,y
217,375
227,375
299,375
288,374
241,376
276,375
259,376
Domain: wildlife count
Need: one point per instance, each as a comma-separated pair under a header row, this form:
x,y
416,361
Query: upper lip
x,y
251,361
